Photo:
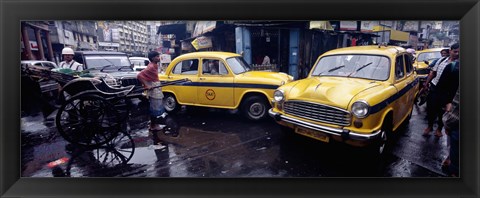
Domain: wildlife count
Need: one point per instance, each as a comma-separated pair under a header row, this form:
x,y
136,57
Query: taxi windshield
x,y
372,67
238,65
426,56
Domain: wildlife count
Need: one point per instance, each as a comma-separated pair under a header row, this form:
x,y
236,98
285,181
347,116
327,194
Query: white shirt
x,y
74,65
439,67
266,60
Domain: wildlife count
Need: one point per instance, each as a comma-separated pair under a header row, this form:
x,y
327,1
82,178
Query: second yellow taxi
x,y
423,59
220,80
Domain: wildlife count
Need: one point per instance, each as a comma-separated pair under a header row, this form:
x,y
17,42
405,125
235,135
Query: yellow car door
x,y
401,99
215,84
185,93
412,85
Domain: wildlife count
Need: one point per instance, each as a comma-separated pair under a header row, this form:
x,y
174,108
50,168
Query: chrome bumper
x,y
344,133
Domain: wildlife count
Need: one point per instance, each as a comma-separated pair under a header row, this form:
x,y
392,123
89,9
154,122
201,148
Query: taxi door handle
x,y
202,78
170,77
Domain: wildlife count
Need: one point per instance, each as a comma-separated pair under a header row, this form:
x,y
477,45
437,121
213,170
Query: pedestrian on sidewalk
x,y
451,121
442,82
424,92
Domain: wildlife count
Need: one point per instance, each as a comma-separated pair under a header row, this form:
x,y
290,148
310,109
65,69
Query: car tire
x,y
377,148
255,108
171,104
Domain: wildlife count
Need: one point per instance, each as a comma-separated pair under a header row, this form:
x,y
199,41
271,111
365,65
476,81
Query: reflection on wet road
x,y
199,142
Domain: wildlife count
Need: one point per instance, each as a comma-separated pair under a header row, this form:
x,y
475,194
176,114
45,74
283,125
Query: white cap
x,y
411,51
67,50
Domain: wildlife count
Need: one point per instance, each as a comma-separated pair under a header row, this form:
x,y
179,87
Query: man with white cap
x,y
68,61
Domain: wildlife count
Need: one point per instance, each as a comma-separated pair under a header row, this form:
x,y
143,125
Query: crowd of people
x,y
442,85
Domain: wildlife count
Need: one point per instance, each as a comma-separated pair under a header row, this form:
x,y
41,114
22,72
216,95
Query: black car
x,y
115,67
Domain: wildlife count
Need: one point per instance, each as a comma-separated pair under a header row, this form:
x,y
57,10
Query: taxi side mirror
x,y
426,62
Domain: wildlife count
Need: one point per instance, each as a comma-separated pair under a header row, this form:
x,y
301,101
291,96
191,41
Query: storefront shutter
x,y
243,43
293,55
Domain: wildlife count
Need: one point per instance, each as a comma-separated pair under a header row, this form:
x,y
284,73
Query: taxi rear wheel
x,y
170,103
255,108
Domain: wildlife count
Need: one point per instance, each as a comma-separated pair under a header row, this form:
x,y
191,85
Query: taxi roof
x,y
209,54
369,49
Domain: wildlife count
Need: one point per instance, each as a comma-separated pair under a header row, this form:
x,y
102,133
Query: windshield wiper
x,y
335,68
331,70
104,67
121,67
360,68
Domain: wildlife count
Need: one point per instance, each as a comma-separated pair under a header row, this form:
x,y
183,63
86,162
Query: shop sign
x,y
367,26
321,25
165,58
386,23
202,42
107,44
348,25
33,45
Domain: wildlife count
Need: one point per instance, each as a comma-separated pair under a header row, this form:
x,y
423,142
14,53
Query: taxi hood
x,y
331,91
275,77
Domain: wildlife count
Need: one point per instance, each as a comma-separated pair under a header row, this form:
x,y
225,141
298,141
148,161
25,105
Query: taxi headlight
x,y
360,109
278,95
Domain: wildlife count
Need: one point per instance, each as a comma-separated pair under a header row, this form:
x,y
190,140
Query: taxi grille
x,y
318,112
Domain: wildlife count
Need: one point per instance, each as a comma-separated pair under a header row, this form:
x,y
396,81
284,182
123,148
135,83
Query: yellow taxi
x,y
220,80
423,59
356,95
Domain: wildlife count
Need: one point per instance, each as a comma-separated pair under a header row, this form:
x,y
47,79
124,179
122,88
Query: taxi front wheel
x,y
170,103
255,108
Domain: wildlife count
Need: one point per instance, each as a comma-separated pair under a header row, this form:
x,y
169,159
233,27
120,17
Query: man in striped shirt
x,y
442,82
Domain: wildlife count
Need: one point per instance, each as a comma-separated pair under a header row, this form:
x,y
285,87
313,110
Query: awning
x,y
321,25
202,27
176,28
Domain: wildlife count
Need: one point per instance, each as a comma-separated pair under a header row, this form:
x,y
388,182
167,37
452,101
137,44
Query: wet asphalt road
x,y
204,142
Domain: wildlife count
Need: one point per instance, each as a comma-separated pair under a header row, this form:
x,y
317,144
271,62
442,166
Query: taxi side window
x,y
213,67
222,70
186,67
408,64
399,67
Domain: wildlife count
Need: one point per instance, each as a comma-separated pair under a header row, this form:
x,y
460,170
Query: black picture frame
x,y
12,12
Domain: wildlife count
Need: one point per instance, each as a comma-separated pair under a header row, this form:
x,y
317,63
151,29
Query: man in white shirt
x,y
439,94
68,61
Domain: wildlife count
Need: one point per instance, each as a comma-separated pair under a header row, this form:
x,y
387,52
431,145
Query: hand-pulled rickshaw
x,y
92,111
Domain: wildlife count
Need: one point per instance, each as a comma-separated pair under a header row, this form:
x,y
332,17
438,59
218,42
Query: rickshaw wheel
x,y
116,153
88,120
